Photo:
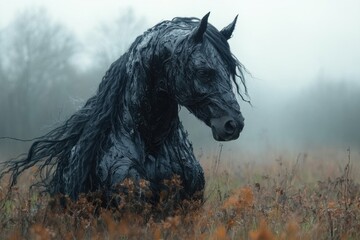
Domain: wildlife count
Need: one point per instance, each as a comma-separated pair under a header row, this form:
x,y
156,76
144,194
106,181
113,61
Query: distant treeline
x,y
47,72
326,113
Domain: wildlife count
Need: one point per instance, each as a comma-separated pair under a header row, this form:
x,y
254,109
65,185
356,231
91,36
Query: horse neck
x,y
156,117
155,113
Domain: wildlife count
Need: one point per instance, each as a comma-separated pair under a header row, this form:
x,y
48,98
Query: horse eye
x,y
206,74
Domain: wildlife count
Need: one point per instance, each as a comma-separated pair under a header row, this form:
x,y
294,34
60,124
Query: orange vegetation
x,y
305,197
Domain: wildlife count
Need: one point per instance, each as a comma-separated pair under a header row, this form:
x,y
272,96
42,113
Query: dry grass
x,y
282,196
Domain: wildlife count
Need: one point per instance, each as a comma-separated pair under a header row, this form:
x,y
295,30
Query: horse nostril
x,y
230,126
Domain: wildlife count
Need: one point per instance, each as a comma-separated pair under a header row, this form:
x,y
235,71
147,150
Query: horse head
x,y
205,76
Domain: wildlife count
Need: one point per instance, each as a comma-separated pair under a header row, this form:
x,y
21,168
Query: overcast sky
x,y
281,42
285,44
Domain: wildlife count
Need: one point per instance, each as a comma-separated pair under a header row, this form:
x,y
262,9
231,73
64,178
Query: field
x,y
272,195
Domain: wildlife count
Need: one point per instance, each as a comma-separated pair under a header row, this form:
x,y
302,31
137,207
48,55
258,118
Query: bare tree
x,y
112,39
35,64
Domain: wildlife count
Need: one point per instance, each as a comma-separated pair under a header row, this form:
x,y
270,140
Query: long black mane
x,y
89,127
117,110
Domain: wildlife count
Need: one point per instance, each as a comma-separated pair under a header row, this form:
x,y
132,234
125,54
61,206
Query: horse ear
x,y
228,30
198,33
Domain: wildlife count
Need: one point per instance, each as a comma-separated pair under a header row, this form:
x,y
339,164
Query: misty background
x,y
302,58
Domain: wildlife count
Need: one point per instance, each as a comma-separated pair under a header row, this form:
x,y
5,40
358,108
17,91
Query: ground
x,y
272,195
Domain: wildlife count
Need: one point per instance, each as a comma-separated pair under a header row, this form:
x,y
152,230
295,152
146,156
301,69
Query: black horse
x,y
131,128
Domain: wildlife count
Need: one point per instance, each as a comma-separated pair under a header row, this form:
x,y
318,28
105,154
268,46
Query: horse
x,y
130,128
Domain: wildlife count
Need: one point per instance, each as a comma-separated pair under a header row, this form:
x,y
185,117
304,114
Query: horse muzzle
x,y
226,128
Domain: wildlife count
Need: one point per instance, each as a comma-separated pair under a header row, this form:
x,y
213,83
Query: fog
x,y
302,59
